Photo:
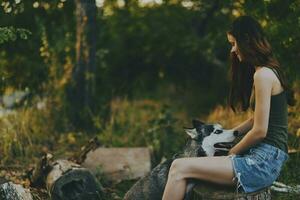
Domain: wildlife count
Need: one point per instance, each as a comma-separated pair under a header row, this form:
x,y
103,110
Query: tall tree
x,y
82,88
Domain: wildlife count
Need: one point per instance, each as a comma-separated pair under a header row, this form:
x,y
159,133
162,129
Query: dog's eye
x,y
218,131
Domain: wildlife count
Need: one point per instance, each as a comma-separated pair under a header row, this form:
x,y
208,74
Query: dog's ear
x,y
192,132
197,123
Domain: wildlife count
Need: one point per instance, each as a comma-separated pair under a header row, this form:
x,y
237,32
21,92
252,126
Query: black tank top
x,y
277,134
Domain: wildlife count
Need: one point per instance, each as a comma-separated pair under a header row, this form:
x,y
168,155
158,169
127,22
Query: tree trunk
x,y
83,75
204,190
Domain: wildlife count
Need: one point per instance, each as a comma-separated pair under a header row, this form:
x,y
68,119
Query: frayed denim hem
x,y
237,175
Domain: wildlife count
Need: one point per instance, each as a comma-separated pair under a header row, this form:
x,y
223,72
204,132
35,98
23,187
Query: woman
x,y
255,162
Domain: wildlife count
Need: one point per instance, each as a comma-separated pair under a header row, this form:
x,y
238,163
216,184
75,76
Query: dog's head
x,y
205,139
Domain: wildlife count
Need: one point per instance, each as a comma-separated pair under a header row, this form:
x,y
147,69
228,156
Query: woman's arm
x,y
263,88
245,126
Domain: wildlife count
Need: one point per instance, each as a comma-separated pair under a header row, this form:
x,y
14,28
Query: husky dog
x,y
205,140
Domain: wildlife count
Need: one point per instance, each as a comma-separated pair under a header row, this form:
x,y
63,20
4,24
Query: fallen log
x,y
119,163
70,181
116,164
65,180
204,190
81,155
11,191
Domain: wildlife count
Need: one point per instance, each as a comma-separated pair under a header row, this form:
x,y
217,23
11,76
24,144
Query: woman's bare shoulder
x,y
264,74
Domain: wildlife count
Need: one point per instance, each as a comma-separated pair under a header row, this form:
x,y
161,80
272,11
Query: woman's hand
x,y
232,152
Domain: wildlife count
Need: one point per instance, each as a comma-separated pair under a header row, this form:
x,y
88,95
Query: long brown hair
x,y
255,50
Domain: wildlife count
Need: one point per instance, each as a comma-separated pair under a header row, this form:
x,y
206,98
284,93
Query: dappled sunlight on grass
x,y
226,117
29,132
24,134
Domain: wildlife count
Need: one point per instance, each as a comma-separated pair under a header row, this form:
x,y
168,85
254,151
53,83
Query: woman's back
x,y
277,127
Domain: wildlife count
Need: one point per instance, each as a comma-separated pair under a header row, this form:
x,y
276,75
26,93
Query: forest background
x,y
130,72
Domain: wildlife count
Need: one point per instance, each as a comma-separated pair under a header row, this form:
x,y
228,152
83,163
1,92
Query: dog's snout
x,y
236,133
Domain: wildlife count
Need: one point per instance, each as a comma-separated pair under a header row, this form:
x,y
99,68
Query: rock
x,y
9,191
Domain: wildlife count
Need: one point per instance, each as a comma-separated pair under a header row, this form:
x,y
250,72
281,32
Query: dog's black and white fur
x,y
205,140
209,139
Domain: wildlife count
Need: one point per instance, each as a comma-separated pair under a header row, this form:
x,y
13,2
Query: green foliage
x,y
11,34
140,49
147,47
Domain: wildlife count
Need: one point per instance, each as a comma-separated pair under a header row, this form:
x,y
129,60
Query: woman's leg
x,y
214,169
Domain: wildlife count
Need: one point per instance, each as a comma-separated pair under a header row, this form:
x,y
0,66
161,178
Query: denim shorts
x,y
258,168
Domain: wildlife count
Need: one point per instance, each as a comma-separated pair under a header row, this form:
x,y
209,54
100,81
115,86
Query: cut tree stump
x,y
119,163
70,181
204,191
11,191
